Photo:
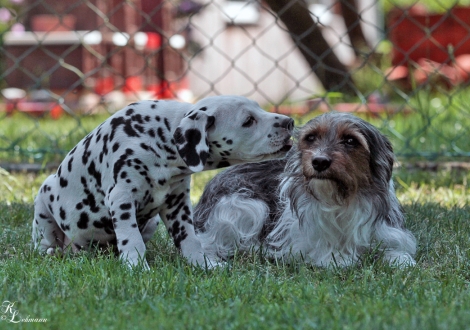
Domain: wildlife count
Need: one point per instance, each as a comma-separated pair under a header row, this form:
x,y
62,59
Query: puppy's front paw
x,y
54,251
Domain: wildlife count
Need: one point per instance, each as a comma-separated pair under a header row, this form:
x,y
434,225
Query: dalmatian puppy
x,y
110,188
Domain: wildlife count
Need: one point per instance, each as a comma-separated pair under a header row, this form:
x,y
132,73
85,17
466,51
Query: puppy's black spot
x,y
204,155
167,124
98,224
223,164
169,150
179,138
210,122
83,221
175,228
95,173
144,146
69,165
161,135
125,206
63,182
188,152
64,227
193,116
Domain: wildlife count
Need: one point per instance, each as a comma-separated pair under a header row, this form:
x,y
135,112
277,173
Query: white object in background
x,y
120,38
140,40
321,14
93,38
13,93
177,41
240,12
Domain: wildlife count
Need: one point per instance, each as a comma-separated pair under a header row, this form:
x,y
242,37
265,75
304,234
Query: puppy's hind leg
x,y
47,235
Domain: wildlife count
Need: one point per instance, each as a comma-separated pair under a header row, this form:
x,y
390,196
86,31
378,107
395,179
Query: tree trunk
x,y
350,13
308,37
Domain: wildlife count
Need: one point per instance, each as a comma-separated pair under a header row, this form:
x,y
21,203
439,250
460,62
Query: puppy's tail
x,y
234,223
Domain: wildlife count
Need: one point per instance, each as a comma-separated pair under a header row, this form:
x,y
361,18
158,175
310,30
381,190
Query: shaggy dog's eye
x,y
310,138
249,121
350,141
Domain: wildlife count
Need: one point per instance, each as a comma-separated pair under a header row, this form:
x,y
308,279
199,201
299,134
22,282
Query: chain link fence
x,y
67,65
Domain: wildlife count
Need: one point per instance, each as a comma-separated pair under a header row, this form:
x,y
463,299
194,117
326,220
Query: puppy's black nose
x,y
288,124
321,163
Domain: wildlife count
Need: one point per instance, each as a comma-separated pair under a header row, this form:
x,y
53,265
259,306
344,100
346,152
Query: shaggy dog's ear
x,y
191,139
381,150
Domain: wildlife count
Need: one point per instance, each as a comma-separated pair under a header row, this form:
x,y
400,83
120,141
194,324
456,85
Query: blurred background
x,y
404,65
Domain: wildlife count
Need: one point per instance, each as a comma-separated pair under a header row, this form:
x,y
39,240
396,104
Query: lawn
x,y
94,291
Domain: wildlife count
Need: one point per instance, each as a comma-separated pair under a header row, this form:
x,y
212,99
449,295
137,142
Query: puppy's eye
x,y
249,121
350,141
310,138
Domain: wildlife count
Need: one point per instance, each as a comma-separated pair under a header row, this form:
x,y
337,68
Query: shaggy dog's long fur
x,y
329,201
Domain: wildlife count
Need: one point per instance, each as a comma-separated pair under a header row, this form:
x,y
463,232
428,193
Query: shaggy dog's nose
x,y
321,163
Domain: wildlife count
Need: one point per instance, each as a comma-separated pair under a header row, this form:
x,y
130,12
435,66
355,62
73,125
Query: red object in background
x,y
56,112
169,89
450,74
163,90
462,64
35,109
104,85
154,41
47,23
407,32
133,84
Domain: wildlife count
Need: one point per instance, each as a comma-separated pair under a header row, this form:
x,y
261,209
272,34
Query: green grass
x,y
94,291
439,6
24,138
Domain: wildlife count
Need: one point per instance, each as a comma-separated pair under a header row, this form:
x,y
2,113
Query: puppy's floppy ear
x,y
191,139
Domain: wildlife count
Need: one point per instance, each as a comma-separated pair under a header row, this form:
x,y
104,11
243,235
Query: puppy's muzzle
x,y
288,124
321,163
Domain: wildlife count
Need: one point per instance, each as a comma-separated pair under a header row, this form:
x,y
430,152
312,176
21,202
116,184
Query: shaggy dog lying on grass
x,y
329,201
